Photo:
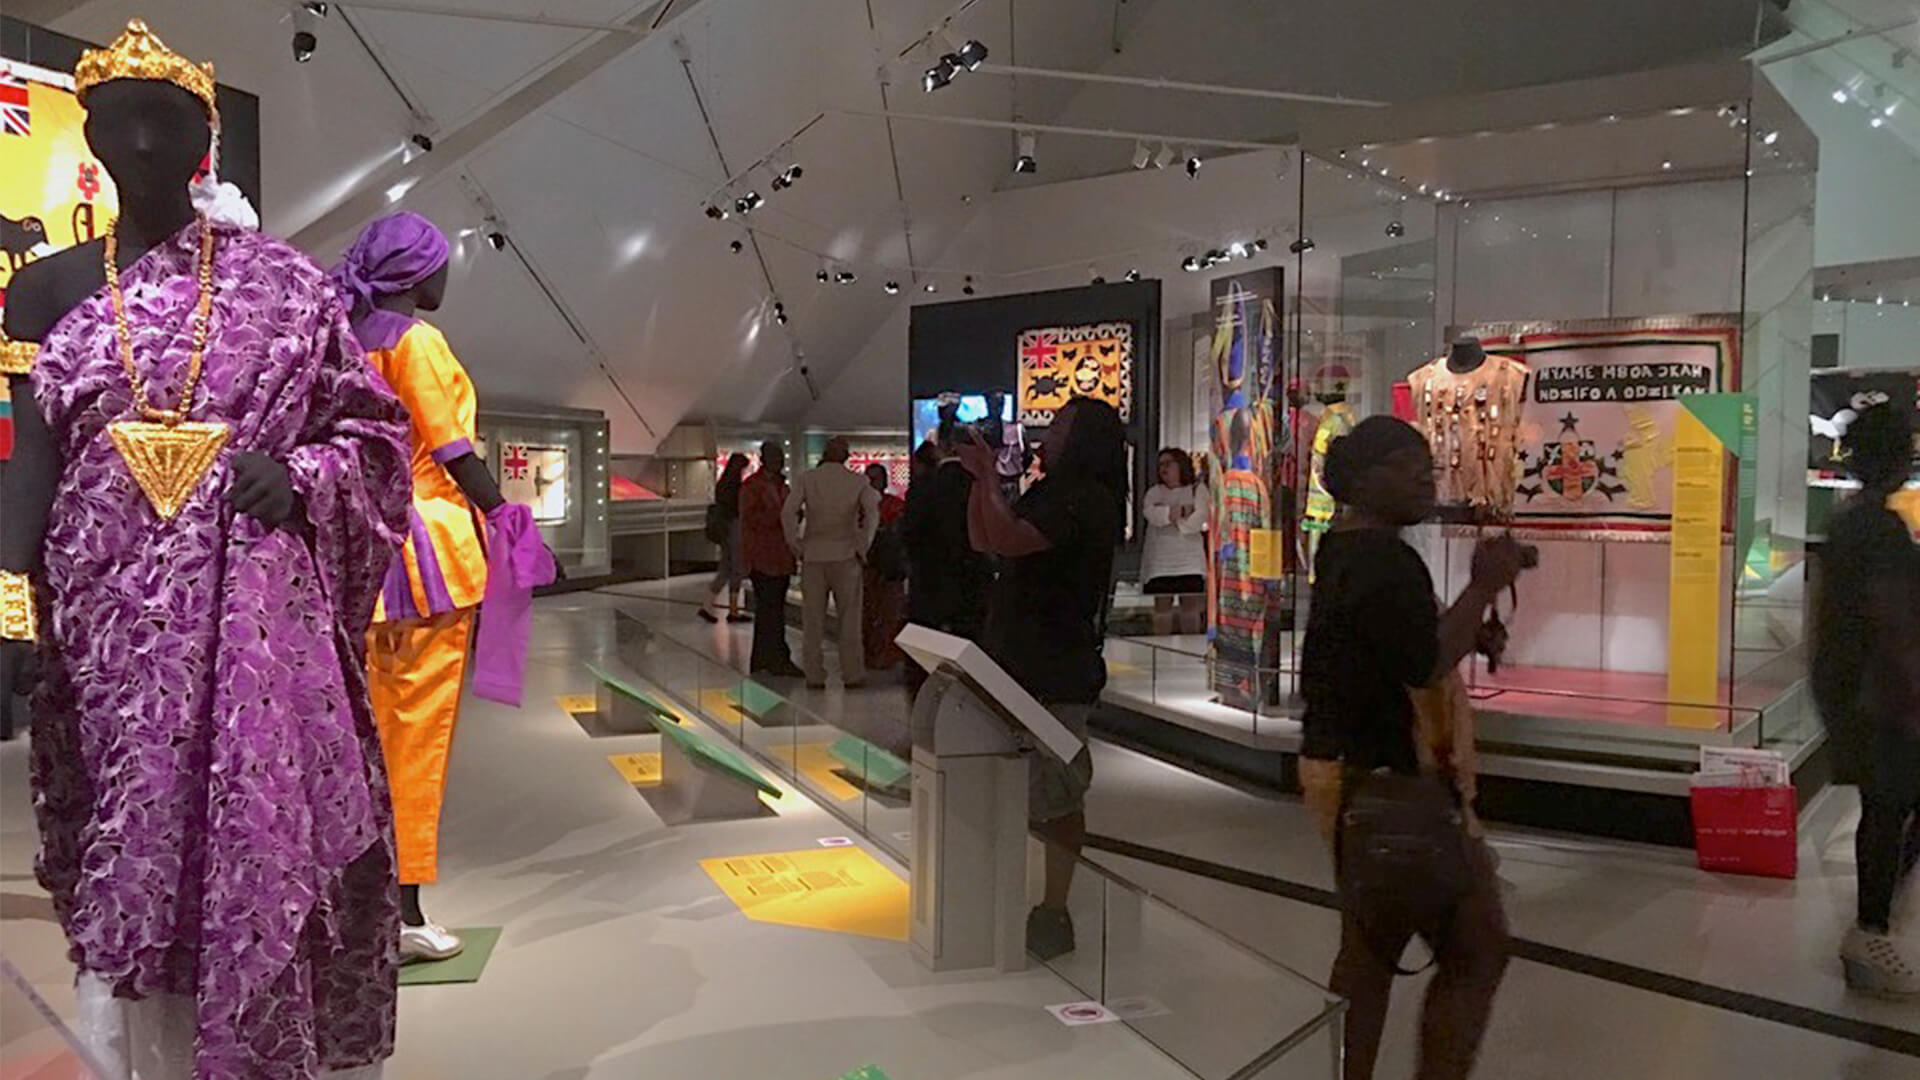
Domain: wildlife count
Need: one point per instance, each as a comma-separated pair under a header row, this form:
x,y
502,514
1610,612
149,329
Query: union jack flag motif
x,y
16,118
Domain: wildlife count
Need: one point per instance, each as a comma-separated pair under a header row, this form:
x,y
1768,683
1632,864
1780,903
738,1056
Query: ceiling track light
x,y
893,288
1142,157
306,37
1133,275
1193,165
1301,246
318,8
966,286
931,287
718,212
422,141
940,74
498,239
1024,162
1396,230
846,277
971,54
822,275
1191,264
736,247
1165,157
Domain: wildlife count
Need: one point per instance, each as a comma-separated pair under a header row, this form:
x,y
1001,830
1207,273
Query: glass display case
x,y
1640,285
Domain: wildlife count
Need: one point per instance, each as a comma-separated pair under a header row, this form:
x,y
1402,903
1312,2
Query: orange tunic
x,y
443,567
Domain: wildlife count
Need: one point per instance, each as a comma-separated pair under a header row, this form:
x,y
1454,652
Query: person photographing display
x,y
1047,619
1866,679
1375,636
210,483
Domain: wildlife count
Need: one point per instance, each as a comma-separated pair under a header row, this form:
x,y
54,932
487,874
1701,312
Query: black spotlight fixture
x,y
718,212
736,247
846,277
1301,246
1193,166
931,287
1191,264
966,287
318,8
786,177
306,27
748,203
1024,161
780,313
1260,243
422,142
1133,275
498,239
893,288
1396,230
940,74
304,43
822,276
972,54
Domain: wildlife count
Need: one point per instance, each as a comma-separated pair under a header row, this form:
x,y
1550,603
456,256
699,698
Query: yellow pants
x,y
416,670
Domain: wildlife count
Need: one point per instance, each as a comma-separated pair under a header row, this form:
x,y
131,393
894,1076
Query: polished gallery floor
x,y
620,956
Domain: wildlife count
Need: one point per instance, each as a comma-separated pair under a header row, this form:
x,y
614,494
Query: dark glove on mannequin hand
x,y
262,490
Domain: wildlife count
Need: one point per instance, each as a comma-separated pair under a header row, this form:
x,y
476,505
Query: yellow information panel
x,y
1693,614
719,705
842,889
1266,554
640,770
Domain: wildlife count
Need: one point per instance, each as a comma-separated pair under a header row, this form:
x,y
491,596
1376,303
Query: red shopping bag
x,y
1746,830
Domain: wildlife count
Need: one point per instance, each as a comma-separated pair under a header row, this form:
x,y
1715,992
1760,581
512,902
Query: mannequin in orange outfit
x,y
423,625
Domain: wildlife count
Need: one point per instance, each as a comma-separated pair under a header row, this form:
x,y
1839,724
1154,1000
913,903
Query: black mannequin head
x,y
431,293
150,135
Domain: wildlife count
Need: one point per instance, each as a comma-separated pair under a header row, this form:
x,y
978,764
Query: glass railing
x,y
1216,1007
34,1041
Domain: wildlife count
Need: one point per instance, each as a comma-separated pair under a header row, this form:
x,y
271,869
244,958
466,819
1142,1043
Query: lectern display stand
x,y
972,729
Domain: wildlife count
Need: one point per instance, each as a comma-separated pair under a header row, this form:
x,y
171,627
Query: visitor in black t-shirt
x,y
1866,678
1048,615
1374,633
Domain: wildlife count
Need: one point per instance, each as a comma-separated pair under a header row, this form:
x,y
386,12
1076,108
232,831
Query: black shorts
x,y
1176,585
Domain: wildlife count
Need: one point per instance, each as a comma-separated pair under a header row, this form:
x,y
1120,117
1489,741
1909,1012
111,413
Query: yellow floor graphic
x,y
577,704
719,705
816,762
840,889
640,770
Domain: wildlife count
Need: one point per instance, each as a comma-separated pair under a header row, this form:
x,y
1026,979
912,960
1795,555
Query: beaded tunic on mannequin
x,y
210,481
1469,405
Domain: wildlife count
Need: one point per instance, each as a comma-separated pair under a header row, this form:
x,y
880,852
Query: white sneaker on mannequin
x,y
1880,963
429,942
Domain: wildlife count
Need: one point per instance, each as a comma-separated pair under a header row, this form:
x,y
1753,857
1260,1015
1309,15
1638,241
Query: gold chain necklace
x,y
167,454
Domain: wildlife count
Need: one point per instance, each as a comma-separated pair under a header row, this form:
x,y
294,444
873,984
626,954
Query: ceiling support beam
x,y
471,185
446,12
452,150
1060,129
1175,85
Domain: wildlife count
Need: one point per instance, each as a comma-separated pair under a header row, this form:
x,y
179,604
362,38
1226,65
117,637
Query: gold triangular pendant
x,y
167,460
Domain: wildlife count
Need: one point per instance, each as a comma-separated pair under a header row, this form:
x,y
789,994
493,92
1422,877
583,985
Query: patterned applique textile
x,y
213,807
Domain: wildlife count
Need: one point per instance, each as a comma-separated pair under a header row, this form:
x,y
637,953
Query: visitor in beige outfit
x,y
830,518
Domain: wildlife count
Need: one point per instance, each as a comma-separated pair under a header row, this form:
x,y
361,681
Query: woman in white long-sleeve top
x,y
1173,569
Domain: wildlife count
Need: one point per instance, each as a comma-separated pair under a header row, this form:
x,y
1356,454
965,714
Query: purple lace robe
x,y
213,806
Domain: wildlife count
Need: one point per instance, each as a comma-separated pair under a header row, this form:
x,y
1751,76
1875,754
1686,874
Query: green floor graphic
x,y
869,763
715,755
465,968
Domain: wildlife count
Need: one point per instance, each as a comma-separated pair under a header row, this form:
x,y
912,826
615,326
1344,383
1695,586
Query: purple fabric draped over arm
x,y
352,473
517,563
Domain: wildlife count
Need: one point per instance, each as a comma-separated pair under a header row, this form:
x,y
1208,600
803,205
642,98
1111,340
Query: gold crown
x,y
140,54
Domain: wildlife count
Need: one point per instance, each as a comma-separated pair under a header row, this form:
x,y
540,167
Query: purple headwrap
x,y
391,255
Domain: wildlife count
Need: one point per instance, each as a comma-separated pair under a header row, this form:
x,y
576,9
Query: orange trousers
x,y
416,669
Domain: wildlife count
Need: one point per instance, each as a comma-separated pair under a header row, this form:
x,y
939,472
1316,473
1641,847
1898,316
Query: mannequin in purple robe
x,y
214,818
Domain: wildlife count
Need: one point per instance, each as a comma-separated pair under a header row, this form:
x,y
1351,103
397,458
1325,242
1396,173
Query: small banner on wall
x,y
1602,408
